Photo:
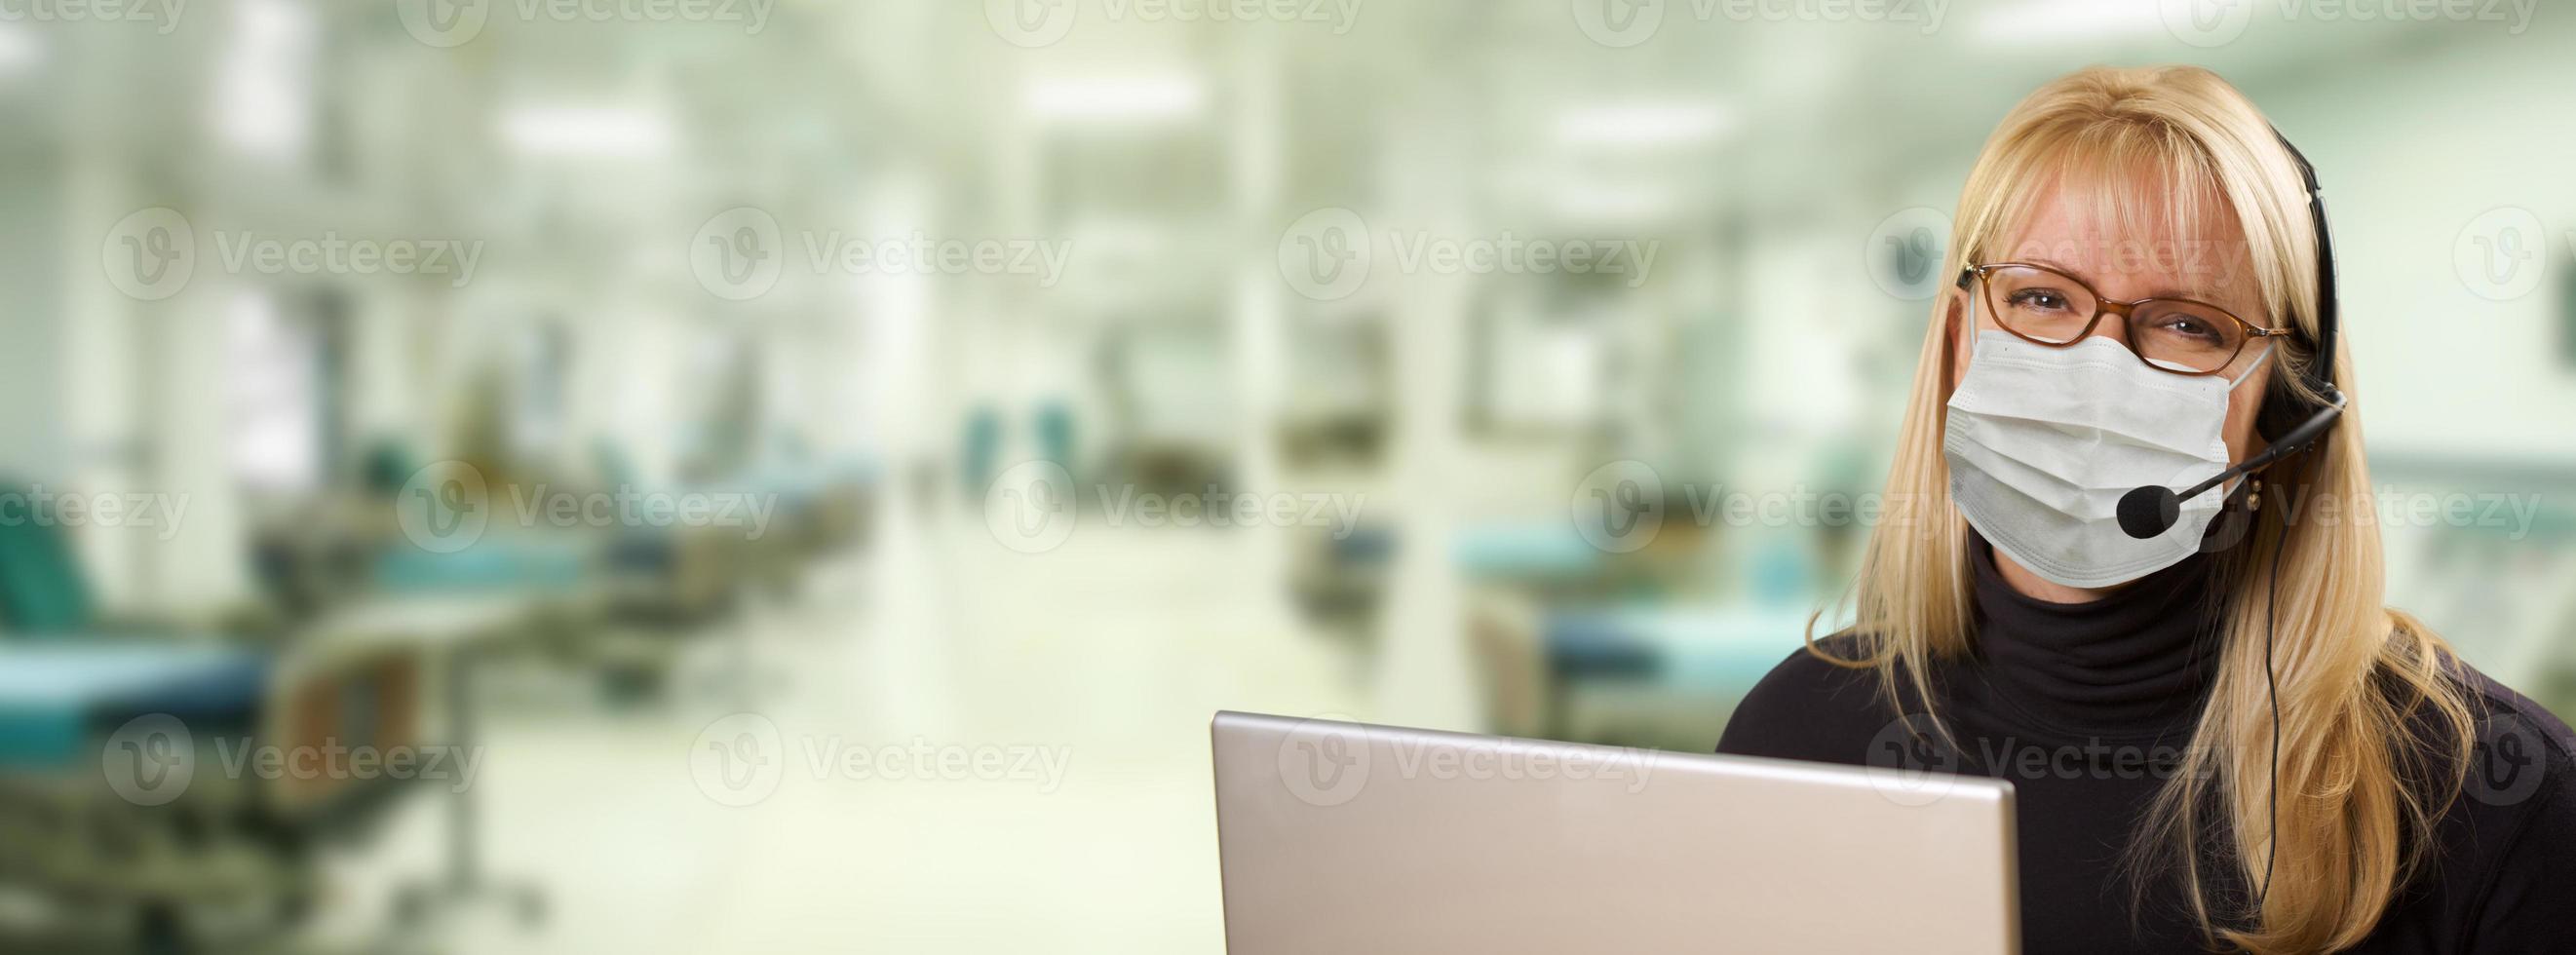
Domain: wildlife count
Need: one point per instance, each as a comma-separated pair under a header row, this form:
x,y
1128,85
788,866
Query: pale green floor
x,y
1112,651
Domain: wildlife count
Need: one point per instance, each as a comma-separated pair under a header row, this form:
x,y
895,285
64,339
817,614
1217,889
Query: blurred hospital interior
x,y
799,476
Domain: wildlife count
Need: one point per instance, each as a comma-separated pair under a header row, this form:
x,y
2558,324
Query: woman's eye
x,y
2188,327
2039,300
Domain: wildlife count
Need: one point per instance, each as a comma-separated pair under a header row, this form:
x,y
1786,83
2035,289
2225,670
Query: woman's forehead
x,y
2131,242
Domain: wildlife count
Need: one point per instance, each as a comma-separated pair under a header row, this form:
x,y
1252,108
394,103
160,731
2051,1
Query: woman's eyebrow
x,y
2161,291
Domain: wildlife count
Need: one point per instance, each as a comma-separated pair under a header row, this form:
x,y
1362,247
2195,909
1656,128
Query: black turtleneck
x,y
2131,666
2084,708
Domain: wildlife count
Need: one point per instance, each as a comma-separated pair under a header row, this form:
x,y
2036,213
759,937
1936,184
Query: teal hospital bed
x,y
121,801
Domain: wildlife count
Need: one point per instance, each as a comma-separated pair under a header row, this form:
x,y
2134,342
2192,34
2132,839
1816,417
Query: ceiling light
x,y
1120,99
1643,124
586,131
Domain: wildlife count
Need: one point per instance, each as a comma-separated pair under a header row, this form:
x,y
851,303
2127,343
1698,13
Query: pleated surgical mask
x,y
2043,441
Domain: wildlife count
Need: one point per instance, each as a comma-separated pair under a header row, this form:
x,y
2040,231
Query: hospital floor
x,y
1106,657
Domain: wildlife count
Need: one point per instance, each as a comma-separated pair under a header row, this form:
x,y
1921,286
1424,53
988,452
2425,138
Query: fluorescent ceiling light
x,y
2066,19
21,49
1643,124
1120,99
264,92
586,131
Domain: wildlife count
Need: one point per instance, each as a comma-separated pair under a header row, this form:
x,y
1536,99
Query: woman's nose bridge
x,y
2118,329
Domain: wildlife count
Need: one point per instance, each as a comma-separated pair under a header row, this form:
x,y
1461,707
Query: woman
x,y
2138,304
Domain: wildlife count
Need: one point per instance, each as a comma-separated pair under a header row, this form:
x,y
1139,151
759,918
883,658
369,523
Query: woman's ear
x,y
1954,336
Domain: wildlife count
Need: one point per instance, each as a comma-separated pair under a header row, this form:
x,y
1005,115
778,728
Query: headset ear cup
x,y
2282,410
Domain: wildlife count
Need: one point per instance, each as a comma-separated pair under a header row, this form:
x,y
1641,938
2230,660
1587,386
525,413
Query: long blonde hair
x,y
2359,792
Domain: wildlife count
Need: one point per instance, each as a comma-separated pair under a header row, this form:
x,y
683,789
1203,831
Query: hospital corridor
x,y
1087,845
658,476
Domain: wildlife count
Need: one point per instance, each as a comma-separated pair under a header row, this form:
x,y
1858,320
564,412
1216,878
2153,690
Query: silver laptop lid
x,y
1351,839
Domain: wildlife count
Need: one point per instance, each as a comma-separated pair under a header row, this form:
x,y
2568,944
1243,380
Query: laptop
x,y
1353,839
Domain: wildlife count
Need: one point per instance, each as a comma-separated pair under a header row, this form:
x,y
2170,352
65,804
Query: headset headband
x,y
2320,371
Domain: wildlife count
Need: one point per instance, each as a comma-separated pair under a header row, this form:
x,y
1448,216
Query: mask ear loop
x,y
2259,359
1975,334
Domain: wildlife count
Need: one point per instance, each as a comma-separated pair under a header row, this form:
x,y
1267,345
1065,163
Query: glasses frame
x,y
2105,305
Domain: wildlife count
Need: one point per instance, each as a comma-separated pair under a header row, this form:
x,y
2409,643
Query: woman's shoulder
x,y
2513,820
2521,754
1815,704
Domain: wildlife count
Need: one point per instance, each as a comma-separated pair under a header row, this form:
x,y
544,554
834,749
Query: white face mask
x,y
2043,441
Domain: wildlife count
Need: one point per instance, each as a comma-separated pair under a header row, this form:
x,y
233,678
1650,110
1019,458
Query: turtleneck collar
x,y
2134,664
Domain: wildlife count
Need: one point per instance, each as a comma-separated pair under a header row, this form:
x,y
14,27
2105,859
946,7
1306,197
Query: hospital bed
x,y
685,574
1666,675
124,796
80,818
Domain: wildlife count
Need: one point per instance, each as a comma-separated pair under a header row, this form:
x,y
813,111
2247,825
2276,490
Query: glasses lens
x,y
2038,303
2185,336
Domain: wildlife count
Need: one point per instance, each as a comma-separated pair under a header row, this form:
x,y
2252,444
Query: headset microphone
x,y
2148,511
2151,510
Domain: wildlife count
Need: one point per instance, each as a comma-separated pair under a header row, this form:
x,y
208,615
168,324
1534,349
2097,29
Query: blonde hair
x,y
2359,793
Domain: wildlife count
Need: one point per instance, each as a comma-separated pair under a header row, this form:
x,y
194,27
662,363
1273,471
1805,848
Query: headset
x,y
2148,511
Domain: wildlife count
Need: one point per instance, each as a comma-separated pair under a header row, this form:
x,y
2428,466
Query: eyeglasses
x,y
2044,306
